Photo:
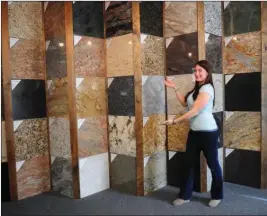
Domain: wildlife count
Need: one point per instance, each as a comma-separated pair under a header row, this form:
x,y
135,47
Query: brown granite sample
x,y
242,130
3,143
92,136
91,97
33,177
57,97
154,134
25,20
120,56
122,135
180,18
89,58
152,55
242,53
31,138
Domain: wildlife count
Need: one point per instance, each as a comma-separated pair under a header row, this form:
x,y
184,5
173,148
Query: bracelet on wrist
x,y
176,89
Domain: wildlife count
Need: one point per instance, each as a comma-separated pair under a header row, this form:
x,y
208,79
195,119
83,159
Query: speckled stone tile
x,y
153,93
120,56
213,17
122,138
25,20
242,130
218,87
89,57
242,53
90,97
31,138
92,136
180,18
152,55
33,177
219,116
154,134
3,143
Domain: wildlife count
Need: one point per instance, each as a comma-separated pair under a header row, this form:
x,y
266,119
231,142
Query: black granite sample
x,y
243,92
5,191
243,167
182,54
242,17
214,53
151,18
118,18
218,116
88,19
28,100
121,100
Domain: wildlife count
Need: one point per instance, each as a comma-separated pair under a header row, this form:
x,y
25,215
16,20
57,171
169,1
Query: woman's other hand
x,y
169,122
170,84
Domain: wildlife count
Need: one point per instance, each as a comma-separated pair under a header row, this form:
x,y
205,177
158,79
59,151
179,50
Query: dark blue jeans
x,y
207,142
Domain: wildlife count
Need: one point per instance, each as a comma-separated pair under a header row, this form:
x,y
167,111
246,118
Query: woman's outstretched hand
x,y
169,122
169,83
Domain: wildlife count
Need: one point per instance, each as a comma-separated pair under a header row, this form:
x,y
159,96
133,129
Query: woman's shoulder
x,y
207,88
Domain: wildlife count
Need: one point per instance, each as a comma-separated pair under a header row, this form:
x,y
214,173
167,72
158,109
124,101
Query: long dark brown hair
x,y
204,64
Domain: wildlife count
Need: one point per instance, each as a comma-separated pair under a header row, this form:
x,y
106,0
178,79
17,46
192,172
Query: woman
x,y
203,134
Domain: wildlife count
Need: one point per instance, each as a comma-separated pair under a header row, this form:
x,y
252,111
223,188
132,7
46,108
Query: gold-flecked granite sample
x,y
152,55
177,135
31,139
154,134
181,18
242,130
184,83
92,136
120,56
57,97
27,59
91,97
25,20
89,57
122,138
242,53
3,140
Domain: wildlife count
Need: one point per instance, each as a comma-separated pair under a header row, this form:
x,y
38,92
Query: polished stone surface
x,y
3,143
242,130
180,18
242,53
88,19
28,99
218,116
5,183
213,17
219,89
153,93
121,99
181,54
241,17
118,18
151,18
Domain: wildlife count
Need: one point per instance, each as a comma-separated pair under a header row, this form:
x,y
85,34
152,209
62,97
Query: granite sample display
x,y
243,92
213,46
57,97
180,18
218,87
27,59
25,20
31,138
120,56
122,139
59,137
218,116
92,136
155,172
242,53
154,134
3,143
152,55
90,97
181,53
243,167
31,180
213,17
28,99
94,174
56,60
5,183
241,17
89,56
242,130
151,18
118,18
88,19
121,96
153,95
61,172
